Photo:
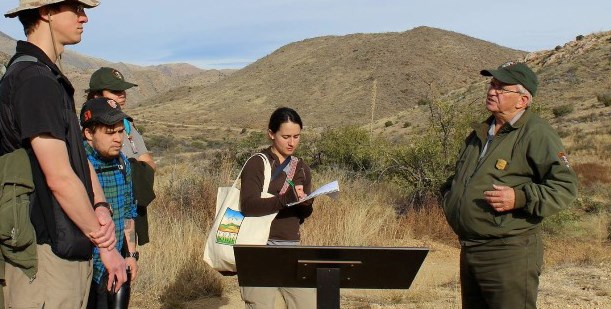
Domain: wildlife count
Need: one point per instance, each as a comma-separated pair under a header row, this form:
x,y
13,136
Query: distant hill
x,y
152,80
329,80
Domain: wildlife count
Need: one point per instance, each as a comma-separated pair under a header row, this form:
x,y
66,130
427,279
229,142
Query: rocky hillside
x,y
330,80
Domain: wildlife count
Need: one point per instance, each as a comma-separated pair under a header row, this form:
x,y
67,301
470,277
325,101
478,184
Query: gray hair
x,y
523,90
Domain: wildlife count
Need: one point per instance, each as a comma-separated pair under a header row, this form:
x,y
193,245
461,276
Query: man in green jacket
x,y
512,172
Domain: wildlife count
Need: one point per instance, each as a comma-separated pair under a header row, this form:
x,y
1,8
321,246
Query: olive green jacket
x,y
527,156
17,235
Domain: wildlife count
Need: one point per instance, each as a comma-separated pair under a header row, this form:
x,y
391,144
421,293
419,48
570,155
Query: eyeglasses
x,y
499,88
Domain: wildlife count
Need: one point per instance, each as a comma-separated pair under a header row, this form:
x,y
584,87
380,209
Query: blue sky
x,y
234,33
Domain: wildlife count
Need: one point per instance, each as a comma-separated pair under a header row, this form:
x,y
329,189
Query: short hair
x,y
283,115
29,18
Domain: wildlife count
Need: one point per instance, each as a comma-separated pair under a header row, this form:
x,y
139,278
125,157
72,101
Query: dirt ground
x,y
436,286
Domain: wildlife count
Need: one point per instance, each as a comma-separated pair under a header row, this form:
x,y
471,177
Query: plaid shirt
x,y
117,186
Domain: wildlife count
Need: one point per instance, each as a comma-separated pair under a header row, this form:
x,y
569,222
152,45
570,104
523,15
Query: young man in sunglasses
x,y
512,172
69,213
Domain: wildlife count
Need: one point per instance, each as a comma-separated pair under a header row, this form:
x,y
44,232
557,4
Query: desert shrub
x,y
423,102
560,222
562,110
198,145
604,98
388,123
579,37
350,148
424,165
407,124
558,47
161,143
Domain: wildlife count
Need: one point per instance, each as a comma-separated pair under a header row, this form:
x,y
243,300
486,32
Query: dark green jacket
x,y
527,156
17,235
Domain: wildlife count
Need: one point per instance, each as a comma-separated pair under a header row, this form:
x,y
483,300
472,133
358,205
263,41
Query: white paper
x,y
331,189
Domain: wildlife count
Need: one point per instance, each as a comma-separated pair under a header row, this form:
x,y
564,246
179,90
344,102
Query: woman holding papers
x,y
290,182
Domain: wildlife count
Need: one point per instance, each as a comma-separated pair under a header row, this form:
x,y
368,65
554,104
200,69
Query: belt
x,y
477,242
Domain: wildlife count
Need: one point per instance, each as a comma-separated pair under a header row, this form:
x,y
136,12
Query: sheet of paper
x,y
331,189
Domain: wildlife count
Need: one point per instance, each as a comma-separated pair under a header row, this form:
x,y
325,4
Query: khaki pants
x,y
501,274
265,298
58,284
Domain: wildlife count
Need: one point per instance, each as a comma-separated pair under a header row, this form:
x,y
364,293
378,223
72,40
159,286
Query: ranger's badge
x,y
501,164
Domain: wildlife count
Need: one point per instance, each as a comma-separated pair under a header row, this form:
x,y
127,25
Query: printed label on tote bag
x,y
227,234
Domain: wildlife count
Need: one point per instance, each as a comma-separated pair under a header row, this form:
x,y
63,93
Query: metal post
x,y
327,288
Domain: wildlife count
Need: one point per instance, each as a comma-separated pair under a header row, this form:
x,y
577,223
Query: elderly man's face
x,y
502,98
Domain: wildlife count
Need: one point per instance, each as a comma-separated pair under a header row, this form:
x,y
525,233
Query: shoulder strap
x,y
109,168
28,58
22,58
267,171
290,174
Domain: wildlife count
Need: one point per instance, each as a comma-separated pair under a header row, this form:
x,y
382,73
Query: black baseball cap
x,y
102,110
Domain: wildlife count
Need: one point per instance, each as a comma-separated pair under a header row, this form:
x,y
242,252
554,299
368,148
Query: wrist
x,y
134,255
103,205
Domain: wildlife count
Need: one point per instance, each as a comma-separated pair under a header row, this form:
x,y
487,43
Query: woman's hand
x,y
300,193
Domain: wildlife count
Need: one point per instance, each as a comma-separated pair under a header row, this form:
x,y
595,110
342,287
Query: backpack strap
x,y
22,58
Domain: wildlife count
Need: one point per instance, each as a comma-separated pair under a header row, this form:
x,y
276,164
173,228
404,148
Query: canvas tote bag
x,y
230,227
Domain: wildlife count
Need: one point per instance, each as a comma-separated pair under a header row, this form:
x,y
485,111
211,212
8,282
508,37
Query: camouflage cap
x,y
108,79
33,4
513,73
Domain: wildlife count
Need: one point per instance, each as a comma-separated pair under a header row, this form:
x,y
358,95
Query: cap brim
x,y
501,75
14,12
114,118
116,86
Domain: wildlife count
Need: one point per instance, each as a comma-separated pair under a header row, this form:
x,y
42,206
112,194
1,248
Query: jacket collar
x,y
481,129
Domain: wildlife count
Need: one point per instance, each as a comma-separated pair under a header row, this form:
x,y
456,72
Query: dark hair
x,y
282,115
92,94
29,18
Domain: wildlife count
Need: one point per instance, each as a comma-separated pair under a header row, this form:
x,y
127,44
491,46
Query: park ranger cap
x,y
513,73
108,79
34,4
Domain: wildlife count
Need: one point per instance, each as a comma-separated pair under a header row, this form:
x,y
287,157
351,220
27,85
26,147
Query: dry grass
x,y
173,274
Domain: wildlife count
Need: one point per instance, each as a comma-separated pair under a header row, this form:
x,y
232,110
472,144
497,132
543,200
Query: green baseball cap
x,y
34,4
108,79
513,73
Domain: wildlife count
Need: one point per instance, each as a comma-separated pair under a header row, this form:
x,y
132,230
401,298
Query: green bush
x,y
562,110
351,148
161,143
423,102
388,123
604,98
